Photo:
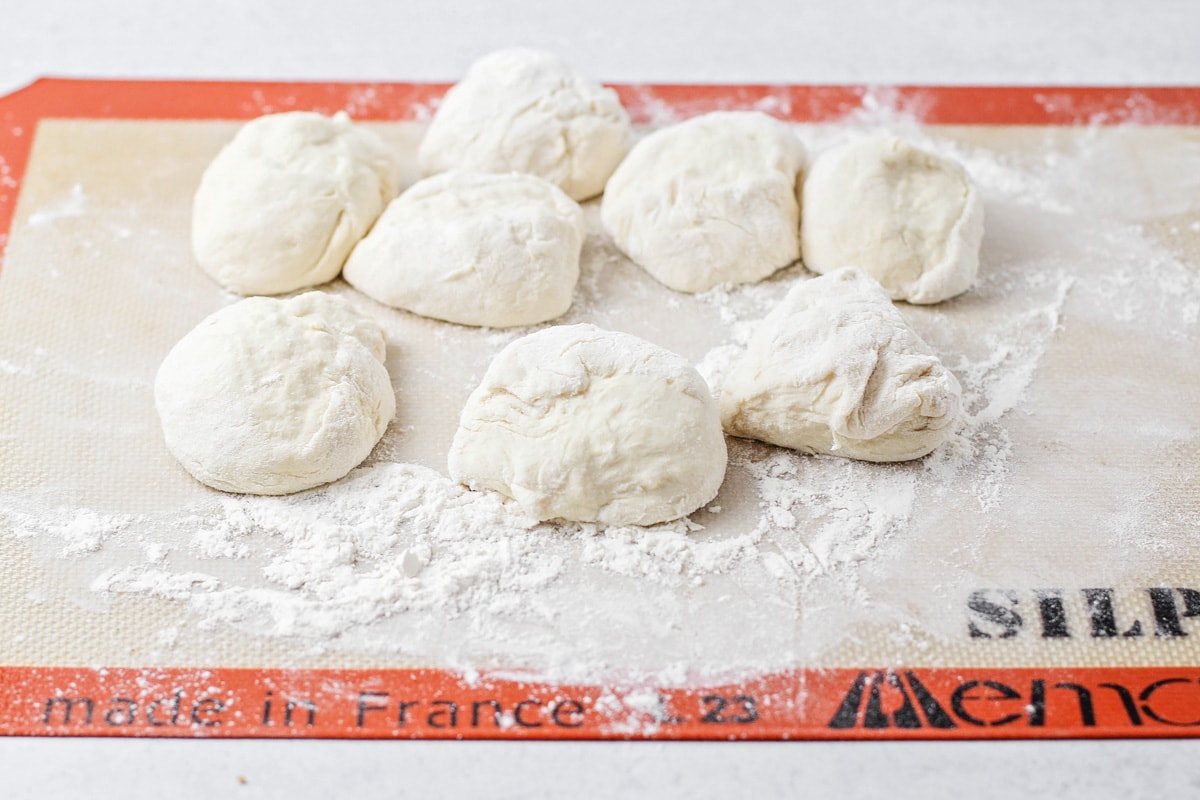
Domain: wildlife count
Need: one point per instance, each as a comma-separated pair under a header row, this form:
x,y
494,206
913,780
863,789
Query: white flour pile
x,y
396,559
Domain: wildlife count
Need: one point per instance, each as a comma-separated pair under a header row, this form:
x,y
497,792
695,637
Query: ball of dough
x,y
474,248
835,369
283,203
521,110
271,396
583,424
708,201
911,219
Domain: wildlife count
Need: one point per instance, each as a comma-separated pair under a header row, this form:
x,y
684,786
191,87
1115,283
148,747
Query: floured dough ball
x,y
835,369
522,110
282,204
272,396
910,218
709,201
474,248
583,424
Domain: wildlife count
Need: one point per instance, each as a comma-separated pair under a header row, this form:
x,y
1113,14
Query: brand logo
x,y
888,699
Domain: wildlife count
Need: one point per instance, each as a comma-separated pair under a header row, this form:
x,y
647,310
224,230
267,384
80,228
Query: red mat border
x,y
917,703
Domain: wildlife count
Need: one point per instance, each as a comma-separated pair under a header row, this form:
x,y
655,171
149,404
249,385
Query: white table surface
x,y
786,41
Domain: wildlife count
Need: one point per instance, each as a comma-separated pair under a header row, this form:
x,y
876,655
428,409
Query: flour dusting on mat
x,y
776,572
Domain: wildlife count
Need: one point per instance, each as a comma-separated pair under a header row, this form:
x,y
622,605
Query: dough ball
x,y
579,423
709,201
474,248
271,396
521,110
835,369
911,219
282,204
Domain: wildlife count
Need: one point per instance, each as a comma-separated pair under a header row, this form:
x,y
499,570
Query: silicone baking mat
x,y
1036,579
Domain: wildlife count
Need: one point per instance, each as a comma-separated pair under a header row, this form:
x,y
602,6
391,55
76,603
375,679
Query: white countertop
x,y
1015,42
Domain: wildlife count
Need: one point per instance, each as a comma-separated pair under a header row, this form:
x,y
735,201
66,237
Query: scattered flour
x,y
396,558
395,553
75,205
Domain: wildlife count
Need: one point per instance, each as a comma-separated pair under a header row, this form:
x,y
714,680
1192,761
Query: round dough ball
x,y
522,110
911,219
709,201
282,204
474,248
583,424
835,369
272,396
